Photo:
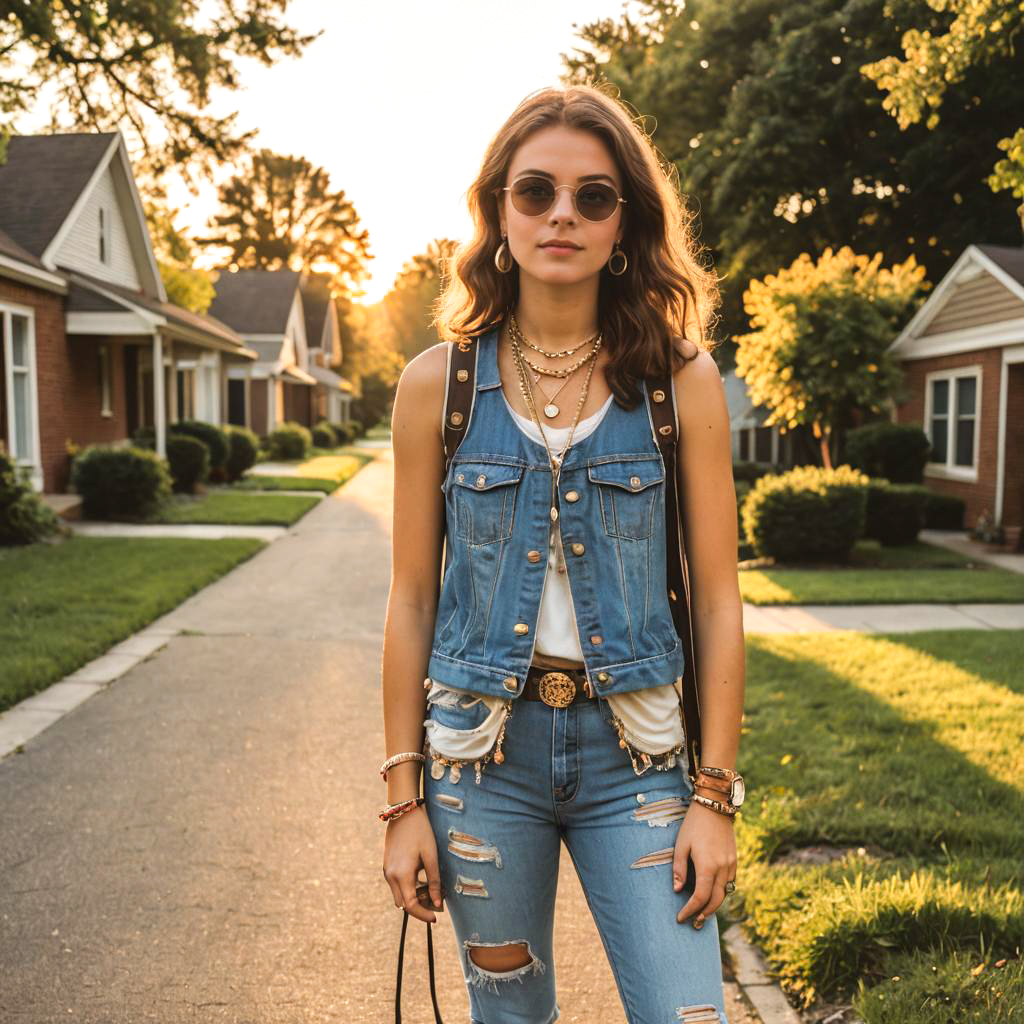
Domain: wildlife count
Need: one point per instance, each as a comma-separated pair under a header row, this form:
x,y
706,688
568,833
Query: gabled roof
x,y
978,304
41,180
255,301
316,302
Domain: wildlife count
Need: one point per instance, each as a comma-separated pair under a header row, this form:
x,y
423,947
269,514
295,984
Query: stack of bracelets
x,y
727,808
396,810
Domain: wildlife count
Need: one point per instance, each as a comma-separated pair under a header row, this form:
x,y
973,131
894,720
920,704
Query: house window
x,y
17,334
763,444
104,235
105,388
744,445
951,418
236,401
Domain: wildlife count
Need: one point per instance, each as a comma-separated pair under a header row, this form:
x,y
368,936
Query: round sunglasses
x,y
533,197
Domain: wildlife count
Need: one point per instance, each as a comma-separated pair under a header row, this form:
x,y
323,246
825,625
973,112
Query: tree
x,y
980,34
280,212
818,351
147,68
409,306
175,254
782,144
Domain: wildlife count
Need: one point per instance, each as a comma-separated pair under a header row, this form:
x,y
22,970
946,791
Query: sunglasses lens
x,y
596,201
532,196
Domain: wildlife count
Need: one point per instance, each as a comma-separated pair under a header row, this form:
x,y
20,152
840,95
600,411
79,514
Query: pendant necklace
x,y
527,392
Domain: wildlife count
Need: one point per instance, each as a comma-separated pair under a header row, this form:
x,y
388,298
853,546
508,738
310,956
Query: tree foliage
x,y
175,254
409,306
980,33
783,145
149,69
279,211
818,351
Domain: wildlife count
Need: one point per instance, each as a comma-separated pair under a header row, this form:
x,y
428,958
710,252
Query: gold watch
x,y
737,787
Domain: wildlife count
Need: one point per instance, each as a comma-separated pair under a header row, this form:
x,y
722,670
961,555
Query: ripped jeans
x,y
561,775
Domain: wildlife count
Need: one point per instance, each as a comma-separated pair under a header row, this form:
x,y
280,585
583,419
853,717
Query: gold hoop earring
x,y
500,252
625,262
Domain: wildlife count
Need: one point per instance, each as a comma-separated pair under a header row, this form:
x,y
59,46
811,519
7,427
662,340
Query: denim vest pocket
x,y
484,496
627,489
454,710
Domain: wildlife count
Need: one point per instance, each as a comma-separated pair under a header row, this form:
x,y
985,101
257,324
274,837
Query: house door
x,y
236,401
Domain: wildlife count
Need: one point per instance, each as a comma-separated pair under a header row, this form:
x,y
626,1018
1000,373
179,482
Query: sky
x,y
397,101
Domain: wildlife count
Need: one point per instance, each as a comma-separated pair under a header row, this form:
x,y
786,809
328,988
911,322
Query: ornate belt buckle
x,y
556,689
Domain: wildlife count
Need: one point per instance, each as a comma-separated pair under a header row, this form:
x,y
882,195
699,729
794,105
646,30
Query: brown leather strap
x,y
680,584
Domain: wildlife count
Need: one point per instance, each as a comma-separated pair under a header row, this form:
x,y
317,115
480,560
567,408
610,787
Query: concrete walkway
x,y
197,841
958,540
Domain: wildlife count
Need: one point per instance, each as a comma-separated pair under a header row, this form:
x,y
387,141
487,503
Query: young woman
x,y
538,693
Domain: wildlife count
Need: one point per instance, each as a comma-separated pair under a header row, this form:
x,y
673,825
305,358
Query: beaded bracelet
x,y
396,810
408,755
727,809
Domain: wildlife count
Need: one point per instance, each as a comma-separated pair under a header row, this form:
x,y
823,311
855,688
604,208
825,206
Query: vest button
x,y
578,548
634,481
533,556
595,640
602,676
572,495
461,477
481,480
509,682
521,628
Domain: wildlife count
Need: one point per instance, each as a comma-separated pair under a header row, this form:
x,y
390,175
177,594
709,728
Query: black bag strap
x,y
680,583
430,962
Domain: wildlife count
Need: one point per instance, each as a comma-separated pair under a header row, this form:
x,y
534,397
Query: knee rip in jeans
x,y
487,963
698,1012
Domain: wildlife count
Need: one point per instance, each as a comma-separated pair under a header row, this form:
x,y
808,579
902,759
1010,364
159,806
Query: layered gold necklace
x,y
522,361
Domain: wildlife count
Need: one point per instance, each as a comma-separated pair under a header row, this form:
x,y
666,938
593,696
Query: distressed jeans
x,y
564,777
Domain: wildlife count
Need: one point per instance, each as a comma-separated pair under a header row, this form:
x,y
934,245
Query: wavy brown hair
x,y
665,295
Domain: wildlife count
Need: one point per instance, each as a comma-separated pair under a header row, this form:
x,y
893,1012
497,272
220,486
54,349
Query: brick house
x,y
84,316
963,358
290,319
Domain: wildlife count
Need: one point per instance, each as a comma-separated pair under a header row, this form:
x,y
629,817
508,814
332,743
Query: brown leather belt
x,y
556,687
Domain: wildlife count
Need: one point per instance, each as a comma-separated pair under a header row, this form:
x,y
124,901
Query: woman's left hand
x,y
708,838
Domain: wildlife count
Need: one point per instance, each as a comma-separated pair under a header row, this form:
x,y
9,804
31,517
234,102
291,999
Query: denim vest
x,y
611,511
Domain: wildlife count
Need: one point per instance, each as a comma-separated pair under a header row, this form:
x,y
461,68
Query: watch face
x,y
739,791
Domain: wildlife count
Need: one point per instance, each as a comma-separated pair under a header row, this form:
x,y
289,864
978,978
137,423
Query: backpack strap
x,y
459,395
680,584
459,398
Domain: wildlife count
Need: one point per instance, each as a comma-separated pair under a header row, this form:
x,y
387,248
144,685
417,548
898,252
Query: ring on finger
x,y
698,921
730,886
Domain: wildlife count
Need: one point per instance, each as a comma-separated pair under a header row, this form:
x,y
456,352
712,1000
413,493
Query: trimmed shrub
x,y
895,512
213,437
944,512
345,432
895,451
189,459
24,517
751,471
324,435
289,441
806,514
243,450
123,482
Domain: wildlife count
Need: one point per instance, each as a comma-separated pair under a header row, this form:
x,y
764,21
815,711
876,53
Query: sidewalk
x,y
198,839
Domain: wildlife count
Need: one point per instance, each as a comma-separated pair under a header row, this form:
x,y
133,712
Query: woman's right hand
x,y
409,845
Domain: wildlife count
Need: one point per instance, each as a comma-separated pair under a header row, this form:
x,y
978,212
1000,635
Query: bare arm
x,y
411,611
708,510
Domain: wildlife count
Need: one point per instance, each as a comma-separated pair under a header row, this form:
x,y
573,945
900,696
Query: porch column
x,y
173,395
159,404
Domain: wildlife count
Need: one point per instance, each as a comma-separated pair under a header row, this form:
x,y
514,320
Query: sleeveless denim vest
x,y
611,511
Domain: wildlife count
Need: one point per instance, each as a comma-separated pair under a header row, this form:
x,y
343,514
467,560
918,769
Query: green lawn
x,y
61,605
905,752
258,482
878,575
236,509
